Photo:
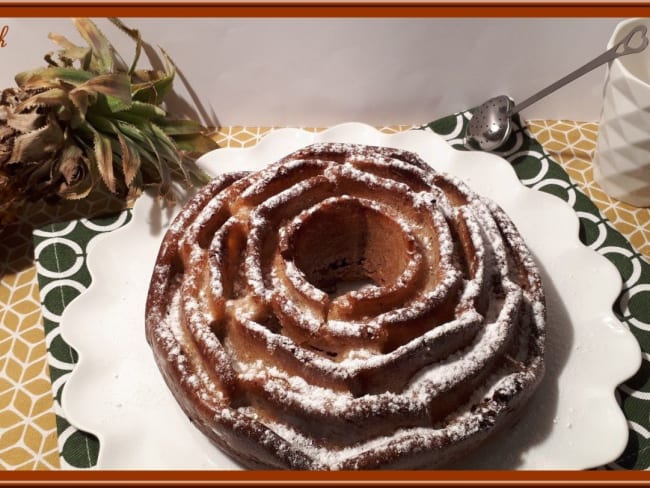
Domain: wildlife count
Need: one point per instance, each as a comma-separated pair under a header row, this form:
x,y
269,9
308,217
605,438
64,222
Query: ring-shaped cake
x,y
347,307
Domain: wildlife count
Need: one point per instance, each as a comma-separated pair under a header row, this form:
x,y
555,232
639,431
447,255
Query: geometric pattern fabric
x,y
573,144
28,411
27,426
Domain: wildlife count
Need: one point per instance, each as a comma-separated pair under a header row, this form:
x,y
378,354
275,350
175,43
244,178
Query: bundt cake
x,y
347,307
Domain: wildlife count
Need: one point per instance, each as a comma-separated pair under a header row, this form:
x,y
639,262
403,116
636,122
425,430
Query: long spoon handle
x,y
621,49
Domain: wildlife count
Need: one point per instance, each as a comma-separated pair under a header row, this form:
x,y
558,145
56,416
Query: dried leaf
x,y
130,159
104,158
154,91
102,61
49,60
136,188
38,177
116,87
50,77
133,34
146,76
70,50
36,83
69,163
82,99
171,66
78,180
37,145
83,187
78,191
5,153
8,96
48,98
62,41
5,132
25,122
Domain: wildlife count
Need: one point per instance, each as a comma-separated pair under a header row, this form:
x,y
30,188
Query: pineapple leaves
x,y
145,111
25,122
154,90
104,160
71,52
51,77
179,127
87,119
131,160
133,34
116,87
82,99
74,169
129,151
195,143
54,97
137,145
102,57
37,145
188,136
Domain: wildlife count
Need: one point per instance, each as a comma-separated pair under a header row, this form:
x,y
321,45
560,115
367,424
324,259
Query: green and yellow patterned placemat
x,y
61,250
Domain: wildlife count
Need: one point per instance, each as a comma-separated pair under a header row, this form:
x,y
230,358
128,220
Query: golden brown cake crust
x,y
281,366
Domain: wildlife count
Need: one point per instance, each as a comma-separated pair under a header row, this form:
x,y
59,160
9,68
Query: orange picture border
x,y
325,9
339,478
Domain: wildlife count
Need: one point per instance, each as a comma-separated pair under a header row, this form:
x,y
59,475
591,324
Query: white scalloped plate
x,y
573,421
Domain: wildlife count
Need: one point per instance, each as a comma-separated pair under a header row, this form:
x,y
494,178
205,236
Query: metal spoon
x,y
490,125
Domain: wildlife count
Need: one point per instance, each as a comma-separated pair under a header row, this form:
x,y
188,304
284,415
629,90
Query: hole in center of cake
x,y
345,245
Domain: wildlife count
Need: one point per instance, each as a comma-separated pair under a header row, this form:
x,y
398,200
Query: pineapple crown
x,y
87,118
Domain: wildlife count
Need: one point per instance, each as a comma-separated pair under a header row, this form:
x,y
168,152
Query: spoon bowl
x,y
491,122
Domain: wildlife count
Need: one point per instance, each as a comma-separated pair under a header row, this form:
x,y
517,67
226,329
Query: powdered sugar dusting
x,y
469,293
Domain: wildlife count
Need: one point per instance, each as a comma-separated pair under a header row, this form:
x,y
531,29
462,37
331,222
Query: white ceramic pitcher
x,y
622,159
